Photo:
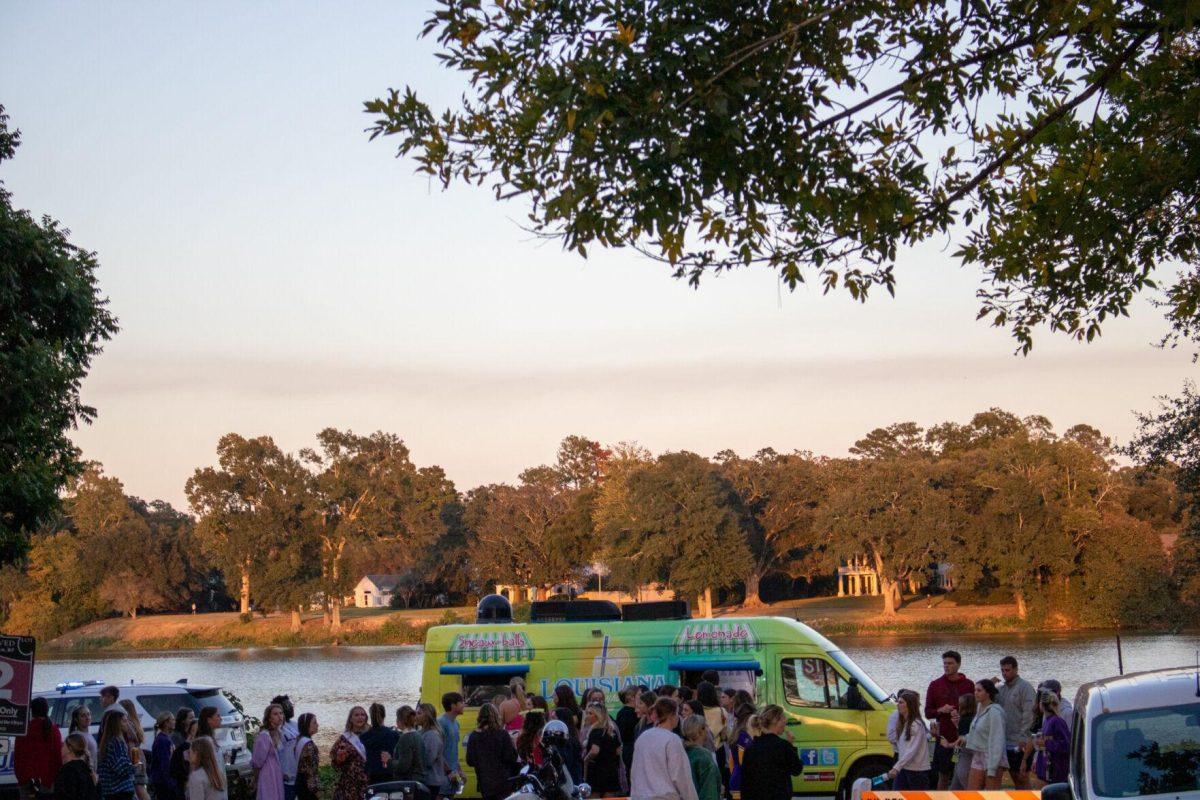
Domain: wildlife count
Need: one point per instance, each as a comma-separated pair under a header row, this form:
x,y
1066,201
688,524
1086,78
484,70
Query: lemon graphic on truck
x,y
836,714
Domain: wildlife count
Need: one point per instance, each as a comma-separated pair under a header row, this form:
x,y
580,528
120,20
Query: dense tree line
x,y
1049,522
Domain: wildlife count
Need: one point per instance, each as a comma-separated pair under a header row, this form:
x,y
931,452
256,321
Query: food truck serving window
x,y
481,683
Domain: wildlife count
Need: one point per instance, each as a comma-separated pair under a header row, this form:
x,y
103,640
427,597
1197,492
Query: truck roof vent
x,y
574,611
493,608
658,609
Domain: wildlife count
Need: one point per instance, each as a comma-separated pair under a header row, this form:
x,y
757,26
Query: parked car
x,y
1136,735
150,699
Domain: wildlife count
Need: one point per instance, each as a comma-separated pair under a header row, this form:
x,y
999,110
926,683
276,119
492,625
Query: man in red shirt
x,y
941,700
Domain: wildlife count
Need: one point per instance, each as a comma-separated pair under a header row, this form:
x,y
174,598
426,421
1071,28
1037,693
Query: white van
x,y
150,699
1136,735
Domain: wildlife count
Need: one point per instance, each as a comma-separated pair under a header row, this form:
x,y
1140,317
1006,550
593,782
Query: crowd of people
x,y
980,730
672,743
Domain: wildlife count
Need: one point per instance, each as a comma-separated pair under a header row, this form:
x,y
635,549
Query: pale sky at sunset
x,y
275,272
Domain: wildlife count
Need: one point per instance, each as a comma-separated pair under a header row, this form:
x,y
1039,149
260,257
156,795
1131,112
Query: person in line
x,y
288,733
109,696
626,721
434,749
135,737
962,719
380,742
911,770
491,753
567,710
941,701
512,708
893,723
37,756
183,718
1065,708
206,781
210,720
408,755
986,738
1019,701
529,742
308,758
705,775
160,758
717,718
115,770
744,732
76,780
537,703
593,695
181,759
1052,746
81,722
771,760
661,770
602,752
452,706
268,772
349,758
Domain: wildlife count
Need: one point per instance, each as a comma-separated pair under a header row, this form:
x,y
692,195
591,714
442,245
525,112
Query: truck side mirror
x,y
1056,791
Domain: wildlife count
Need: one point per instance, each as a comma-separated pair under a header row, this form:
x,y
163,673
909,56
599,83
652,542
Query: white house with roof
x,y
376,591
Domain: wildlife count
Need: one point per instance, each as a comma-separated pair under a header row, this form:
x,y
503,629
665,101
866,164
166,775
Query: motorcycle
x,y
552,780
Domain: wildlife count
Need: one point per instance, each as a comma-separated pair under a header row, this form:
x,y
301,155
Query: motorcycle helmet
x,y
555,733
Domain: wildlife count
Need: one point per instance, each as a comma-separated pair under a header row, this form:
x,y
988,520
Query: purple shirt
x,y
266,764
1052,764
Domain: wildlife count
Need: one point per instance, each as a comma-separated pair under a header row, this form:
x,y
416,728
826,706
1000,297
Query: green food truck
x,y
836,713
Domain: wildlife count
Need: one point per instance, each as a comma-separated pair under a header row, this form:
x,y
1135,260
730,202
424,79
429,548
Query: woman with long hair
x,y
529,741
379,741
37,756
986,738
308,758
268,772
115,769
408,757
349,758
740,739
771,761
160,757
206,781
962,719
181,759
705,775
135,737
602,758
566,708
911,770
437,774
491,753
210,720
76,781
1052,746
81,722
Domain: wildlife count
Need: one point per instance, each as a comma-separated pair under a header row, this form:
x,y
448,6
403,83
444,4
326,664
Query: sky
x,y
275,272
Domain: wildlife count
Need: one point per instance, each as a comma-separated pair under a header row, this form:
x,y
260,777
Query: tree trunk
x,y
1022,611
708,603
752,596
335,623
889,596
133,614
296,622
245,599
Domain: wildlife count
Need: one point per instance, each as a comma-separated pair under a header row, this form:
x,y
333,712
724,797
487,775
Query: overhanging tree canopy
x,y
1057,141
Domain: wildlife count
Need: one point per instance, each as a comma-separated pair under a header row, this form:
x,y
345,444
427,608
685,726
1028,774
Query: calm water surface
x,y
329,680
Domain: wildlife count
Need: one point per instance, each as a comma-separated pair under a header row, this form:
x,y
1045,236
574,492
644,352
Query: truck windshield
x,y
869,686
1148,751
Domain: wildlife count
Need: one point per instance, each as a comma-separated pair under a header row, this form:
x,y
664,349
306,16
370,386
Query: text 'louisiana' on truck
x,y
836,713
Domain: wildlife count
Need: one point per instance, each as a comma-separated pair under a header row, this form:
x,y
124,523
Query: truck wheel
x,y
868,767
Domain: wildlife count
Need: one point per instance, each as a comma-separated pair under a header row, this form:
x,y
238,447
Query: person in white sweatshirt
x,y
661,770
986,738
911,770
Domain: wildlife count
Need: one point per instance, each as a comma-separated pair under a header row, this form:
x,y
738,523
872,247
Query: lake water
x,y
329,680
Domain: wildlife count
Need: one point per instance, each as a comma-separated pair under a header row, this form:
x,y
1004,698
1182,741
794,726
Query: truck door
x,y
827,732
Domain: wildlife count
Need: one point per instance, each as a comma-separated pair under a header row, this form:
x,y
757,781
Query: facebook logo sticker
x,y
809,757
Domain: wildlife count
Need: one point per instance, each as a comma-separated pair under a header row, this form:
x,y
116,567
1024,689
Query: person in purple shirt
x,y
1053,745
267,770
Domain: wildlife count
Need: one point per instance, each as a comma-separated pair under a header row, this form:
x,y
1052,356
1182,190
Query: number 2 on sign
x,y
6,675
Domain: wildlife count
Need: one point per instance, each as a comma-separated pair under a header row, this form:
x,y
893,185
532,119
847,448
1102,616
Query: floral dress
x,y
351,766
308,778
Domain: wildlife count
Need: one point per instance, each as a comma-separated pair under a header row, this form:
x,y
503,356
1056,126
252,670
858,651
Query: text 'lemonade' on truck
x,y
836,713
